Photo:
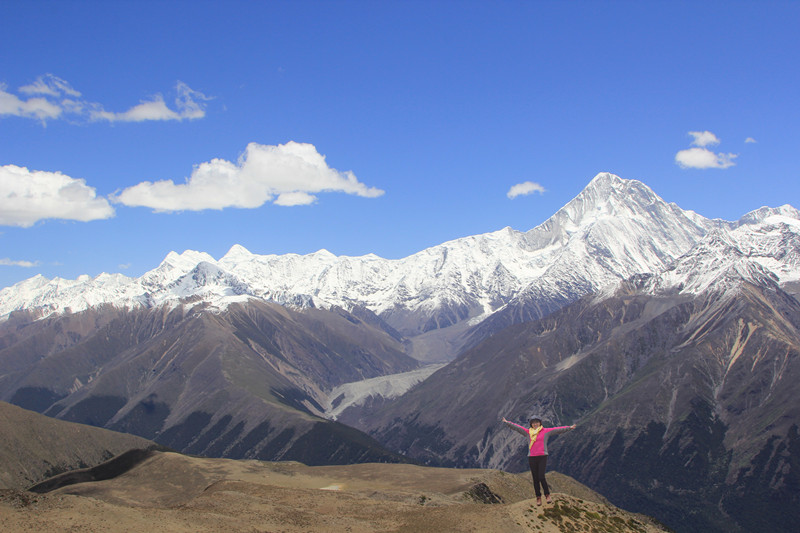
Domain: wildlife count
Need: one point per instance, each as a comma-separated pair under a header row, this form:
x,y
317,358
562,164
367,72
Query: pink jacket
x,y
540,445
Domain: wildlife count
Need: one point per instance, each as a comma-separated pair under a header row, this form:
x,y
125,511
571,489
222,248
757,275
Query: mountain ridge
x,y
611,230
173,492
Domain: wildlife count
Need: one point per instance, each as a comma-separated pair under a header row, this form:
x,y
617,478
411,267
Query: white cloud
x,y
703,158
25,264
50,97
704,138
750,140
524,189
38,108
289,199
290,174
700,156
51,86
188,104
27,197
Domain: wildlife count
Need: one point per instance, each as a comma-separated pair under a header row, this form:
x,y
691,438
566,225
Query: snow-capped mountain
x,y
613,229
762,249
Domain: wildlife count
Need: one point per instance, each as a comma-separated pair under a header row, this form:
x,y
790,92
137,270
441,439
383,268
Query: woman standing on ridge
x,y
537,457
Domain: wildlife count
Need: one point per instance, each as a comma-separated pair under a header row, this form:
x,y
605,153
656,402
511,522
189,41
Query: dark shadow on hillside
x,y
110,469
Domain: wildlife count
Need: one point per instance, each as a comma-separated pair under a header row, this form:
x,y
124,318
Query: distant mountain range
x,y
670,338
613,229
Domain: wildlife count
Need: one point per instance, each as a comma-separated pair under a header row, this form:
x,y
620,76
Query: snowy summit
x,y
613,229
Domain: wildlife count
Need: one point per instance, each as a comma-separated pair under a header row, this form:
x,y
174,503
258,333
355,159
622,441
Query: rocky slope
x,y
683,385
246,382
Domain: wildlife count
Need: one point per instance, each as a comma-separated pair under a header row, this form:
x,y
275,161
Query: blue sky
x,y
130,129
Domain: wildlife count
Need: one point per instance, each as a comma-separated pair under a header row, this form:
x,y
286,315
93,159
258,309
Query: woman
x,y
537,458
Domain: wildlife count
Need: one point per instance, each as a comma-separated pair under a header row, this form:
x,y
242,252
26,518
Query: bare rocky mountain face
x,y
683,386
670,338
243,383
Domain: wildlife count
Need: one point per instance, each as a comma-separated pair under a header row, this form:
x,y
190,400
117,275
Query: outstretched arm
x,y
562,429
515,427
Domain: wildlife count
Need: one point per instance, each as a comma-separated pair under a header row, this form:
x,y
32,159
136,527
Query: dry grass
x,y
172,492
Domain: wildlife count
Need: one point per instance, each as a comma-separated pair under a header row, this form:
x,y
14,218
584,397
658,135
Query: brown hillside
x,y
34,447
172,492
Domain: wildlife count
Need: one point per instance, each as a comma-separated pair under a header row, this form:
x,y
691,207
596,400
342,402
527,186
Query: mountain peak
x,y
323,253
608,196
239,252
773,215
604,179
611,185
186,260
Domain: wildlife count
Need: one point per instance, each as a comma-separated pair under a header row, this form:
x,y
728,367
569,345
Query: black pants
x,y
538,463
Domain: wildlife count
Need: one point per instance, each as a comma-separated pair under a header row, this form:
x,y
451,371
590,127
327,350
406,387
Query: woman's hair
x,y
532,420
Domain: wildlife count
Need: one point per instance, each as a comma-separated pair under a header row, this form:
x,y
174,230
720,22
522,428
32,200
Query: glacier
x,y
358,392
